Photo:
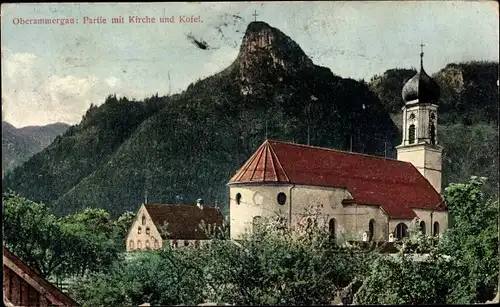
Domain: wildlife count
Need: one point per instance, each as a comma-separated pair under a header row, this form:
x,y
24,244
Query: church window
x,y
256,222
147,230
436,228
143,220
281,198
139,244
238,198
131,244
422,227
411,134
432,133
401,231
332,227
371,229
139,230
156,244
147,243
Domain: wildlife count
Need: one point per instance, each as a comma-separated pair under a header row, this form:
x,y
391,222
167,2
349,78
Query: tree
x,y
415,275
32,233
73,245
473,241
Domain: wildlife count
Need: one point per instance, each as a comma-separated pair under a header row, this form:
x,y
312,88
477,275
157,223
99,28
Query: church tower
x,y
420,144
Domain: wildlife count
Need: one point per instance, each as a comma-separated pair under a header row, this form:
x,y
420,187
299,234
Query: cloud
x,y
29,97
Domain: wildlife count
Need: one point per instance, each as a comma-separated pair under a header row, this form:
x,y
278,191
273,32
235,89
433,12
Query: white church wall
x,y
261,200
256,200
350,220
437,216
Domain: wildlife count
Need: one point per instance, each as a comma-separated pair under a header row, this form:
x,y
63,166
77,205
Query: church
x,y
360,197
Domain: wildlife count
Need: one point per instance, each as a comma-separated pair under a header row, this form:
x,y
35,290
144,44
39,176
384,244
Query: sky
x,y
52,73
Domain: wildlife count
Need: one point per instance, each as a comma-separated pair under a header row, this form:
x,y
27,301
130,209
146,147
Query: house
x,y
362,197
22,286
181,222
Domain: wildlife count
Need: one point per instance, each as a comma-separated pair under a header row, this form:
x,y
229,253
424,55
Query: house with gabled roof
x,y
177,225
363,197
23,286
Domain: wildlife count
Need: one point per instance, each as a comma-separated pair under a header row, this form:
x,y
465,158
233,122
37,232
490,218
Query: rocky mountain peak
x,y
266,48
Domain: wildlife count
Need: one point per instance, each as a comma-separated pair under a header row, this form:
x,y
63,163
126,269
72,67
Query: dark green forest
x,y
176,149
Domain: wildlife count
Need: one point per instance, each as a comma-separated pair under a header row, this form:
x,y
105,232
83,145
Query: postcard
x,y
250,153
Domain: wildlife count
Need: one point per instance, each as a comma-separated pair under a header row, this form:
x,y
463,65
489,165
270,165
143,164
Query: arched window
x,y
422,227
139,230
139,244
238,198
147,230
174,244
131,244
411,134
432,133
256,222
332,227
147,243
186,243
436,229
143,220
371,229
401,231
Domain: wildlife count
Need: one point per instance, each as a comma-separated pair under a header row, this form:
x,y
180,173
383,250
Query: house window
x,y
256,222
281,198
147,243
147,230
371,229
238,198
139,244
143,220
411,134
139,230
331,227
156,244
422,227
401,231
436,228
131,244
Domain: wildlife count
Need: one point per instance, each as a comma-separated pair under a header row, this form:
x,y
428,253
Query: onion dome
x,y
421,87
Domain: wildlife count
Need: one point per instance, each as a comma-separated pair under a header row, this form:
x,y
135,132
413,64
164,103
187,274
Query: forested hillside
x,y
178,149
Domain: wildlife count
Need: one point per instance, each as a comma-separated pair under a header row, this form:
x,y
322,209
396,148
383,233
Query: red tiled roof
x,y
183,220
42,286
394,185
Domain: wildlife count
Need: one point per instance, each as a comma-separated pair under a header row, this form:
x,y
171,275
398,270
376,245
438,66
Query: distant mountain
x,y
19,144
183,147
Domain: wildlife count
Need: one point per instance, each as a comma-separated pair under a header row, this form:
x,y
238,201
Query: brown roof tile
x,y
183,220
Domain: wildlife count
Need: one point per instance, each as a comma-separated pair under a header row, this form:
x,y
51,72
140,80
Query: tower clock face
x,y
258,199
